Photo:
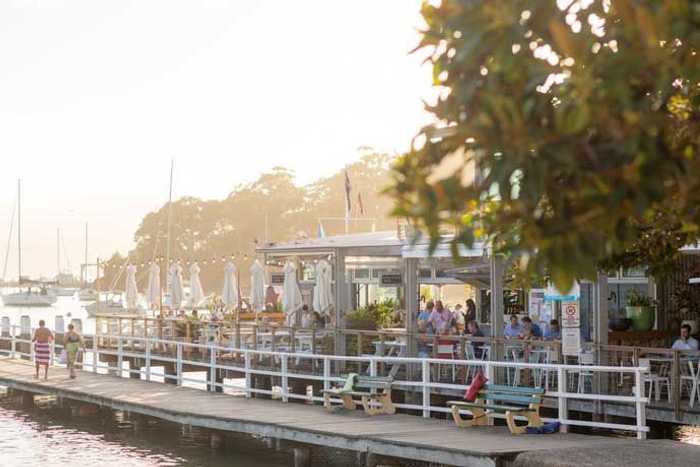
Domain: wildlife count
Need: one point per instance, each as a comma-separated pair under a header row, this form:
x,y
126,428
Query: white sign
x,y
570,341
570,315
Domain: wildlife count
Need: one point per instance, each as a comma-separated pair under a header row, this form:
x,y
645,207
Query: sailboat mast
x,y
9,242
19,229
58,253
170,215
85,272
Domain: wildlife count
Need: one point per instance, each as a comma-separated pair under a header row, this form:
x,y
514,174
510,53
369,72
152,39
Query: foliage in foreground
x,y
571,131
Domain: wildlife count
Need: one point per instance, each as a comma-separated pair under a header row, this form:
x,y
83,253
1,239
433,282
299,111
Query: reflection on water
x,y
87,436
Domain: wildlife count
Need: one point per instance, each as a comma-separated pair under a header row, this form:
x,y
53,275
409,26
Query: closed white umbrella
x,y
291,297
196,291
323,295
132,292
176,291
257,286
230,292
153,289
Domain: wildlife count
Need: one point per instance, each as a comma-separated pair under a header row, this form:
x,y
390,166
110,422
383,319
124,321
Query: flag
x,y
348,193
321,231
360,205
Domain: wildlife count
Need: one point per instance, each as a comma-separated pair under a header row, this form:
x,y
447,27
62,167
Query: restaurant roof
x,y
385,243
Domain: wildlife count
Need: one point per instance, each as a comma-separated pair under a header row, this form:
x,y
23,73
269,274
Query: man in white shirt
x,y
685,342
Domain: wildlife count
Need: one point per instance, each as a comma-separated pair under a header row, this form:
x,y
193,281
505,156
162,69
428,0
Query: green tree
x,y
273,207
567,128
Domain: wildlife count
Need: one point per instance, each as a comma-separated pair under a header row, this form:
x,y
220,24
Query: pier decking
x,y
401,436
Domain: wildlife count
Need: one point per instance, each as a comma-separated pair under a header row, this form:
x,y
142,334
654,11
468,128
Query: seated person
x,y
685,342
441,319
513,329
534,328
553,331
424,338
307,318
473,330
427,311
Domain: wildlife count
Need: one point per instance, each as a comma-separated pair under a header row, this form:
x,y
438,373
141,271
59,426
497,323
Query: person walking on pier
x,y
72,342
42,348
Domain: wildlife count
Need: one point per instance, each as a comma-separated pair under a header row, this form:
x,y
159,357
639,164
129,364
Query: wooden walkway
x,y
403,436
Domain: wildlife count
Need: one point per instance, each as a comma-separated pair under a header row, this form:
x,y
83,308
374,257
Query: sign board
x,y
570,315
277,278
391,280
536,305
570,341
553,294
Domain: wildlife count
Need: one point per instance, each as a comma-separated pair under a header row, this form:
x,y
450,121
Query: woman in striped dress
x,y
42,348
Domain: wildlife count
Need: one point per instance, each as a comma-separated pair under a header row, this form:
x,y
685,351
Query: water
x,y
53,436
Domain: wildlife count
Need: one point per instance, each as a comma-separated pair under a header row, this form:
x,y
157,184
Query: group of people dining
x,y
436,319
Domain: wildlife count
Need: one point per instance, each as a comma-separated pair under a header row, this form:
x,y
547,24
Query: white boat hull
x,y
102,308
28,299
87,295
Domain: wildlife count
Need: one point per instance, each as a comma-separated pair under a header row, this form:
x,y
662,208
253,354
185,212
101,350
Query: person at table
x,y
424,339
470,311
473,330
534,328
424,314
307,318
460,319
553,332
513,329
685,342
441,319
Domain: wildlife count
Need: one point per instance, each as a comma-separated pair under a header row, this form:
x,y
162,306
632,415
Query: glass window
x,y
425,273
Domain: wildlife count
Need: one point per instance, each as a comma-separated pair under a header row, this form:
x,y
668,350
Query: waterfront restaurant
x,y
368,267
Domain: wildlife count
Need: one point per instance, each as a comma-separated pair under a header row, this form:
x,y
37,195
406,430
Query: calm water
x,y
83,436
68,307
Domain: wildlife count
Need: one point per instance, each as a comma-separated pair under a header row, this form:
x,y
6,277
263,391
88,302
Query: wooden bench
x,y
494,399
374,392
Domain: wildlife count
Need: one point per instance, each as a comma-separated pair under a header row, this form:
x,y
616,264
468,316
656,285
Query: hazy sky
x,y
96,96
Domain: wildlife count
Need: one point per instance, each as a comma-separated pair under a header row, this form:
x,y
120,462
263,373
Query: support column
x,y
411,302
496,275
600,310
340,301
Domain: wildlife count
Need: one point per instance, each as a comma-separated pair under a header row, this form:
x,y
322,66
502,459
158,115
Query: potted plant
x,y
640,309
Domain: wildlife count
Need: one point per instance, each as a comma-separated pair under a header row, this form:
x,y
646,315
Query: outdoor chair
x,y
583,375
692,382
656,381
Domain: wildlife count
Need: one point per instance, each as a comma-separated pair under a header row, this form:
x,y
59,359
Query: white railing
x,y
245,363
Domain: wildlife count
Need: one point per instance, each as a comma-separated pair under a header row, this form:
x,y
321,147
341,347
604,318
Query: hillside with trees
x,y
272,208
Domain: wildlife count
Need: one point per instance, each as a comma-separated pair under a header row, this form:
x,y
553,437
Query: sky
x,y
98,96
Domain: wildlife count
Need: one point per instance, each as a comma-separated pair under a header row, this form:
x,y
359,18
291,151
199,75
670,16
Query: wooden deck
x,y
403,436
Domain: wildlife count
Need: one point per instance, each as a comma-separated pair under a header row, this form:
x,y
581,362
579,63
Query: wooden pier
x,y
399,436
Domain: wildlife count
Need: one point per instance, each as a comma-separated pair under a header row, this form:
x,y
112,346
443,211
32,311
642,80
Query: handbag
x,y
63,357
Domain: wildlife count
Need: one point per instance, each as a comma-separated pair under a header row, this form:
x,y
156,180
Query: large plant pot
x,y
642,317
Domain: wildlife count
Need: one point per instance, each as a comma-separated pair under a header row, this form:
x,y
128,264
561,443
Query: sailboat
x,y
61,290
86,294
35,293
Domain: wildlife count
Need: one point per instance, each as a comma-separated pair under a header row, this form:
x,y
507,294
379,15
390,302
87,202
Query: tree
x,y
272,206
564,128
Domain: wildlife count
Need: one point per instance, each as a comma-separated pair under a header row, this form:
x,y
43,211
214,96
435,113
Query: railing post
x,y
148,360
425,370
373,367
120,357
95,355
212,368
640,405
563,406
490,371
246,357
326,373
285,380
52,351
13,348
178,363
